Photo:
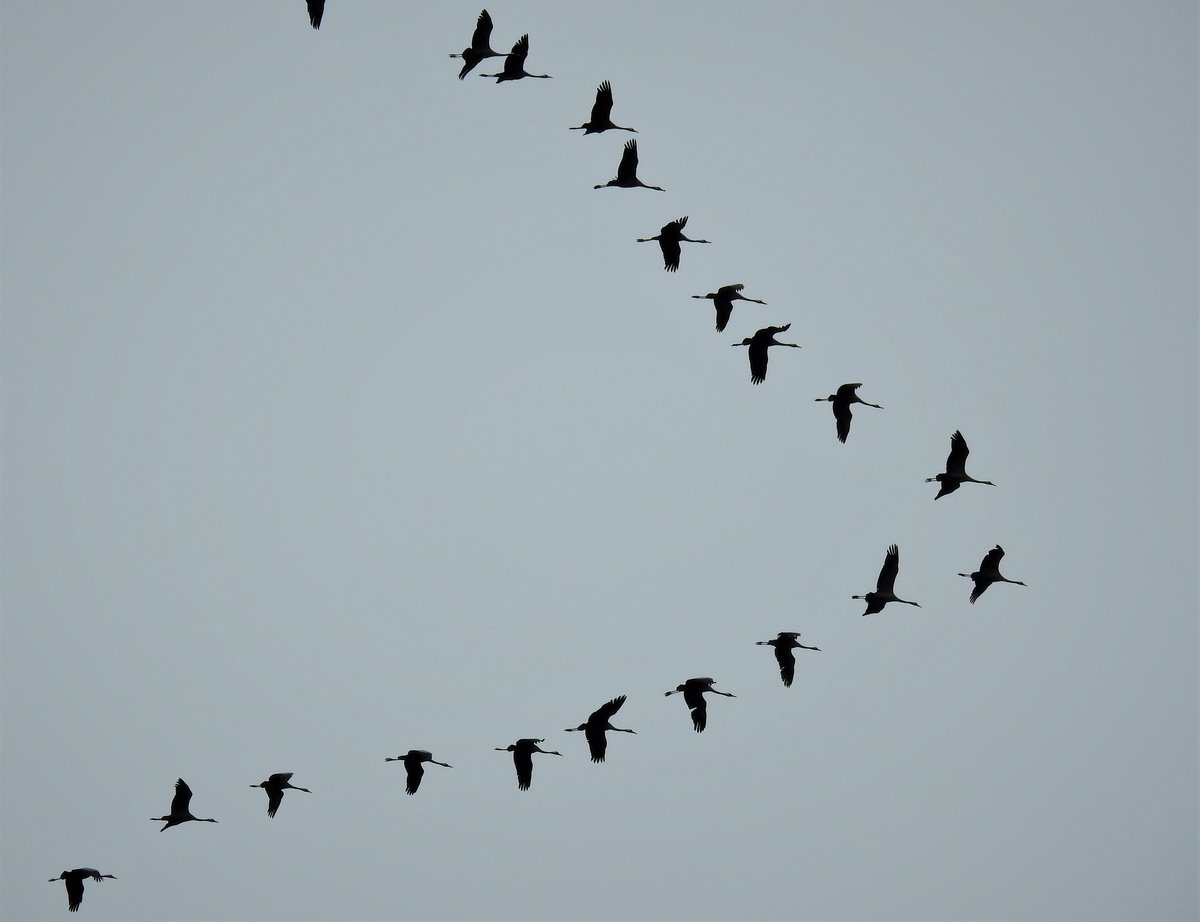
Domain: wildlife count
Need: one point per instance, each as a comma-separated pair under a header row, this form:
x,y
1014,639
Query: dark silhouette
x,y
75,881
956,468
841,407
759,343
597,723
668,241
601,110
514,64
480,47
523,751
885,584
412,765
274,787
316,9
179,808
693,696
723,299
988,573
627,170
784,644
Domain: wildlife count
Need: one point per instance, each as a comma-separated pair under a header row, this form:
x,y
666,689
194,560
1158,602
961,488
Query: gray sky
x,y
342,416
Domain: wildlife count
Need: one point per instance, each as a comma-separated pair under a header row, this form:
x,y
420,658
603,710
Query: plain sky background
x,y
342,416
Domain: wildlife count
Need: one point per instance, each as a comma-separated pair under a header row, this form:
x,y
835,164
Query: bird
x,y
626,176
597,723
988,573
956,468
693,696
179,808
723,299
759,344
316,9
784,644
846,395
480,47
412,764
274,787
884,585
514,63
523,751
601,110
668,241
75,881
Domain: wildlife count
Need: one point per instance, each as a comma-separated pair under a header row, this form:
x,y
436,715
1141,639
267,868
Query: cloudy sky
x,y
342,416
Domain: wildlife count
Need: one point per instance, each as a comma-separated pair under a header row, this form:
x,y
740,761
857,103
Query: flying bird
x,y
601,110
626,176
884,586
412,765
988,573
514,64
179,808
523,751
597,723
956,468
75,881
668,241
845,396
480,47
759,343
274,787
723,299
784,644
316,9
693,696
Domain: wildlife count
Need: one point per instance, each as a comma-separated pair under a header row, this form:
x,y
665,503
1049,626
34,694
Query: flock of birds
x,y
598,723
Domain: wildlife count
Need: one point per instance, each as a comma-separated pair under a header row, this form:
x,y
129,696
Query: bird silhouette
x,y
480,47
988,573
597,722
884,586
74,880
759,343
845,396
514,63
668,241
274,786
179,808
601,110
412,765
626,176
693,696
523,751
784,644
956,468
316,9
723,299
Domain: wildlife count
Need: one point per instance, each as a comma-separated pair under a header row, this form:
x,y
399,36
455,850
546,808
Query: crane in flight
x,y
601,113
274,786
668,239
180,812
759,343
514,63
885,586
74,880
723,299
316,9
693,696
480,47
845,396
988,573
955,474
626,177
412,766
784,644
598,721
523,751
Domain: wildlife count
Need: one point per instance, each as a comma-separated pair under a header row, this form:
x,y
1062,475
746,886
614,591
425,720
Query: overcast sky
x,y
342,416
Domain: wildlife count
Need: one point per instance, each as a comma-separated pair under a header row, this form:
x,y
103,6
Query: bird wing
x,y
74,892
627,170
316,9
758,361
602,107
481,40
670,252
607,710
183,797
980,587
846,392
729,290
523,760
787,663
956,461
724,312
516,58
274,799
415,772
841,412
597,741
280,778
675,228
887,574
991,560
699,714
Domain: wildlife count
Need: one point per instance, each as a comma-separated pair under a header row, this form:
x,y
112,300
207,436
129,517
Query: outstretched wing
x,y
274,799
627,171
841,412
887,574
597,741
182,798
758,361
606,711
523,759
481,40
602,107
956,461
787,663
415,773
991,560
316,9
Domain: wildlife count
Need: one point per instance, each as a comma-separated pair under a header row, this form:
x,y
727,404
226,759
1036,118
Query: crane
x,y
74,880
480,47
514,63
274,786
179,808
523,751
956,468
668,241
597,722
626,177
988,573
693,696
784,644
759,343
884,586
412,765
723,299
316,9
845,396
601,112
